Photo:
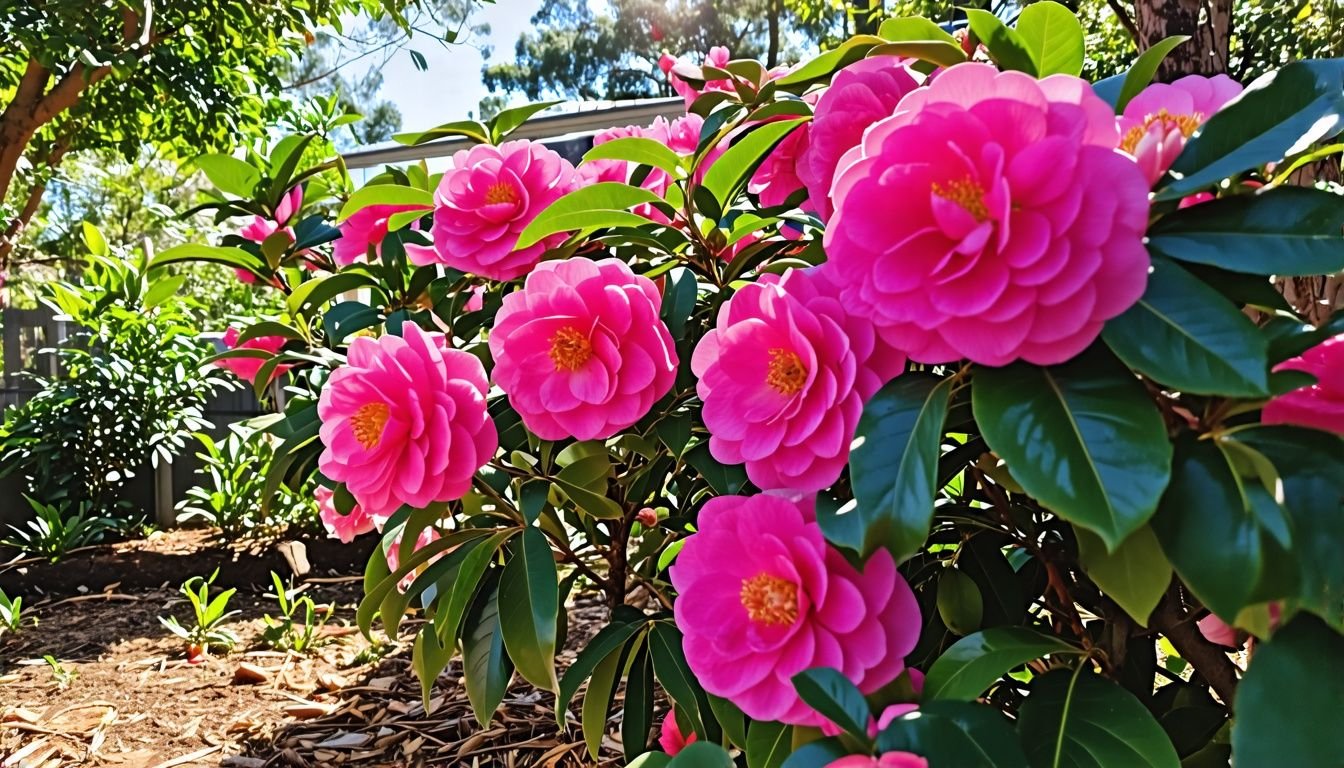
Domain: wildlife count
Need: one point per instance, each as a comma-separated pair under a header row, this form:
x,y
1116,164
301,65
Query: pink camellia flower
x,y
887,760
343,527
247,368
1157,122
581,351
364,229
783,377
718,57
762,597
670,738
970,223
1321,405
404,421
261,227
486,200
778,177
859,95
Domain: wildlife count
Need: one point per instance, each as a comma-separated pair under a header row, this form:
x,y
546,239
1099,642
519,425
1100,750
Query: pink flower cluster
x,y
755,616
364,230
718,57
1158,121
260,228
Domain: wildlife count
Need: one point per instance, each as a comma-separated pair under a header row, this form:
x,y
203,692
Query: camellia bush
x,y
922,404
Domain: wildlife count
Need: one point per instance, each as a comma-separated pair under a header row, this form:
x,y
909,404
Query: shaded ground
x,y
125,695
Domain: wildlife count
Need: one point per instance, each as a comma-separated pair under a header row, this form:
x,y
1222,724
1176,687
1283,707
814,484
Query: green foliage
x,y
56,529
296,628
131,392
209,614
11,613
233,487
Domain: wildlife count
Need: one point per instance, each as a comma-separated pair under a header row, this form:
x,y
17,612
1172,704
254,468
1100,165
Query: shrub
x,y
131,392
233,487
940,462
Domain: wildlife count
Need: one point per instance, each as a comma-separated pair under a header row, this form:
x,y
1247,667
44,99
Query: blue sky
x,y
452,85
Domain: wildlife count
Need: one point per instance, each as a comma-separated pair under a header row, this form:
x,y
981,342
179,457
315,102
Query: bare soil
x,y
125,695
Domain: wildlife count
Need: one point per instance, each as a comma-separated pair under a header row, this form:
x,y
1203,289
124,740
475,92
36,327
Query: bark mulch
x,y
124,694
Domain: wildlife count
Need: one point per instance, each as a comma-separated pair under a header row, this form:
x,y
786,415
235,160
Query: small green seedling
x,y
63,677
209,615
11,613
285,633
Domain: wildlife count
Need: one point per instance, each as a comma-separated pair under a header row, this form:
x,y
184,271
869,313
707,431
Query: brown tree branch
x,y
1127,21
1208,659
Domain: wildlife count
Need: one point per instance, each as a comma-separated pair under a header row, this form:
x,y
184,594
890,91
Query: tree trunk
x,y
772,57
867,16
1207,22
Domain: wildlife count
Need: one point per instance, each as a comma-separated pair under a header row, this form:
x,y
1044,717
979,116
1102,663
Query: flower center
x,y
785,372
1186,124
368,423
570,349
967,193
501,192
770,599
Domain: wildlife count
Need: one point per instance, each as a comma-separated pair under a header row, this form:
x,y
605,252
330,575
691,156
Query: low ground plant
x,y
209,614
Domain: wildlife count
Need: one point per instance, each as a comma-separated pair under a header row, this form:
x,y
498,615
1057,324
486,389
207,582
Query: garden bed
x,y
125,695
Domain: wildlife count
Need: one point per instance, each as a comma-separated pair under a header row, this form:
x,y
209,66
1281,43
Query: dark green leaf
x,y
529,601
486,668
508,120
894,463
1207,530
637,713
834,696
1083,438
725,479
1280,231
669,666
960,605
463,588
974,662
597,700
730,719
1184,334
955,734
1280,114
1290,701
604,643
1078,718
702,755
1053,37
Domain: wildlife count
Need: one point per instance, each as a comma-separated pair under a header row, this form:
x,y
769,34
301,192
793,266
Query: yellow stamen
x,y
570,349
368,423
770,599
501,192
966,193
785,372
1186,124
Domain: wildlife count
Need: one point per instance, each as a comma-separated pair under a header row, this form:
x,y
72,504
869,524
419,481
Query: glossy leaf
x,y
1078,718
1289,702
509,120
1135,575
669,666
529,601
1006,47
1053,37
955,734
834,696
974,662
702,755
486,668
1280,231
1083,438
229,174
1145,67
603,644
960,605
731,169
597,700
1207,530
466,129
820,66
638,150
385,194
1184,334
768,744
598,205
1281,113
894,464
637,713
216,254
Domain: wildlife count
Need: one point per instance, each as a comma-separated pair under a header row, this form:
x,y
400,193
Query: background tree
x,y
200,74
